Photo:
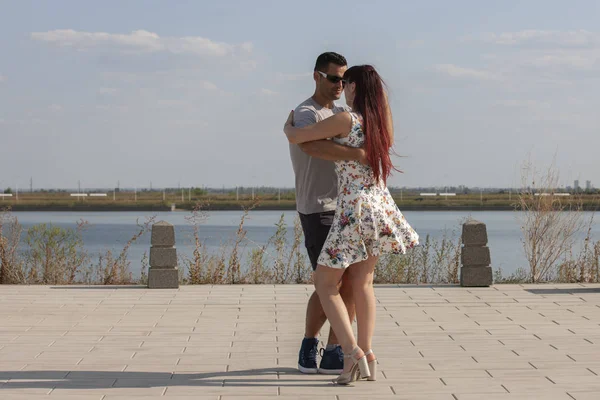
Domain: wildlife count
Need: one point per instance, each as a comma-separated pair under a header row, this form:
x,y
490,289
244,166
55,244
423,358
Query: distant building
x,y
576,186
588,185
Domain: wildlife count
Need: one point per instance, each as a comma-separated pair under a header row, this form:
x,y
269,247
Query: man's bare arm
x,y
329,150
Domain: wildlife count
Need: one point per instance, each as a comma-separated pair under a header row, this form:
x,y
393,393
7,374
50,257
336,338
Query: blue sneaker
x,y
307,358
332,361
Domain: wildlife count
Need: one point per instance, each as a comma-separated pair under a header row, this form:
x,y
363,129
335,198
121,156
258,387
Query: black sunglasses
x,y
333,79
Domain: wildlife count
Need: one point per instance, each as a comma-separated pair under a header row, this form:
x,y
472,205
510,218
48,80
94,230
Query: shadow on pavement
x,y
574,291
132,379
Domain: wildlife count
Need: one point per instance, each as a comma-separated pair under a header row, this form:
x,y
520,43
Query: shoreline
x,y
237,207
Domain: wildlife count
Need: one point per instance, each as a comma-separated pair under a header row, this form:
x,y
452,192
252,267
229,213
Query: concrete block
x,y
475,256
474,233
476,276
163,257
160,278
163,234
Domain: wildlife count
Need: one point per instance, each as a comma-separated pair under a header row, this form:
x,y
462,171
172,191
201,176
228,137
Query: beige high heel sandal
x,y
360,367
372,368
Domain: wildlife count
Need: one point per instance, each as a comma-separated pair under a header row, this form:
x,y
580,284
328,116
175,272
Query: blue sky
x,y
195,92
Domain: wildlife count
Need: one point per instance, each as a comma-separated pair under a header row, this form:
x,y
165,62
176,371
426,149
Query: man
x,y
316,192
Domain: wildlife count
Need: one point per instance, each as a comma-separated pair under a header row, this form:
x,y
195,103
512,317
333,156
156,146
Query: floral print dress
x,y
367,220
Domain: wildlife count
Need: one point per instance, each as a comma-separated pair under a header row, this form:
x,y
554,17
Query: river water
x,y
112,230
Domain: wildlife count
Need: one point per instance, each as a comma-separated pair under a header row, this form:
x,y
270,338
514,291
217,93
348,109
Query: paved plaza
x,y
505,342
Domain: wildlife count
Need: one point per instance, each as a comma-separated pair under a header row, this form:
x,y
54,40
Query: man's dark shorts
x,y
316,228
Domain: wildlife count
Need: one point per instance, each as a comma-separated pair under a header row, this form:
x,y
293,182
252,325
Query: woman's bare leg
x,y
361,275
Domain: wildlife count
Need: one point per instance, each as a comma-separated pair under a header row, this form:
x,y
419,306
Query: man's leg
x,y
315,317
316,228
332,360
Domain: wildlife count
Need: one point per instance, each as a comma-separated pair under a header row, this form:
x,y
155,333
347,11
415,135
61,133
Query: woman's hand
x,y
289,123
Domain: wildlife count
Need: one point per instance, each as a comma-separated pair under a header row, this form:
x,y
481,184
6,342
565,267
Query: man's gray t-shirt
x,y
316,180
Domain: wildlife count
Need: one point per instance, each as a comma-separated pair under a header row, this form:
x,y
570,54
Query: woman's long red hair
x,y
370,102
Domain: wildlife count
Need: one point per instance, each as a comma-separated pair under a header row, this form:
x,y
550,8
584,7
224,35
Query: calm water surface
x,y
112,230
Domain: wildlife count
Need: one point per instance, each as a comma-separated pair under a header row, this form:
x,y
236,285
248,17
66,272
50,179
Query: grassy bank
x,y
157,201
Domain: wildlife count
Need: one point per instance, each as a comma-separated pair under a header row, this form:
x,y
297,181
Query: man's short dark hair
x,y
330,57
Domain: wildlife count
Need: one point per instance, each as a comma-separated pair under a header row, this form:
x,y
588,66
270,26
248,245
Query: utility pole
x,y
78,186
31,184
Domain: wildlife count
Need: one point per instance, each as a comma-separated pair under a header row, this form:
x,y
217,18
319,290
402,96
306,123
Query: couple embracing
x,y
341,161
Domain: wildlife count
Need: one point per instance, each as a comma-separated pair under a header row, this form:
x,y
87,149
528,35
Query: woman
x,y
367,222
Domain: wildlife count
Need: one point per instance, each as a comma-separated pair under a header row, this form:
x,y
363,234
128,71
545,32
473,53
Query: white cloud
x,y
533,37
55,107
533,58
575,59
553,51
208,85
410,44
248,65
109,107
247,47
170,103
141,41
107,90
162,87
186,80
455,71
522,103
268,92
191,122
280,76
198,46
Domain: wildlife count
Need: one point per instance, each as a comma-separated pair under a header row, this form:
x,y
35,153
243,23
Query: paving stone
x,y
237,342
585,395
